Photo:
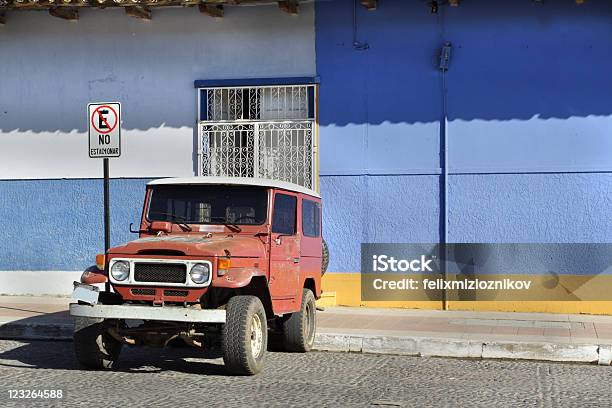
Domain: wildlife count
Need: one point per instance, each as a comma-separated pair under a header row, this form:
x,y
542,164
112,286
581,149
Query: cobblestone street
x,y
181,377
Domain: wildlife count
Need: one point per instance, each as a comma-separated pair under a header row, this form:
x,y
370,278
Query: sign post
x,y
104,125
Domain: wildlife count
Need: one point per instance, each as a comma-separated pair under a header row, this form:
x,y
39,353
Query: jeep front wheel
x,y
245,335
94,347
299,329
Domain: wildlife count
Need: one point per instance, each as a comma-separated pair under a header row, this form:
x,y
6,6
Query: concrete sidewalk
x,y
538,336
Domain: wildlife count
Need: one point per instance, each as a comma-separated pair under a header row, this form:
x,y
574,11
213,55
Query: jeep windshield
x,y
208,204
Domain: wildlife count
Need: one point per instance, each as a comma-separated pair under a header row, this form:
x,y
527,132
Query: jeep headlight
x,y
200,273
120,271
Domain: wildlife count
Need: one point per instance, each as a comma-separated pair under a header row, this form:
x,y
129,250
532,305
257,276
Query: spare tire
x,y
325,260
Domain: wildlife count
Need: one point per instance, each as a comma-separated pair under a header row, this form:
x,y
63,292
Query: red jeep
x,y
218,262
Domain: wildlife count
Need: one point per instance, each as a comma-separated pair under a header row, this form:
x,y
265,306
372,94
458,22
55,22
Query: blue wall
x,y
360,209
562,207
379,109
527,113
529,86
59,224
526,108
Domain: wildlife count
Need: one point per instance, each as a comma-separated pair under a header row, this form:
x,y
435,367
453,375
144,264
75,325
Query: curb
x,y
457,348
404,345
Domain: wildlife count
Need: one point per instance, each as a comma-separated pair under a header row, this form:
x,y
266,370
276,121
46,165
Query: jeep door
x,y
284,247
311,240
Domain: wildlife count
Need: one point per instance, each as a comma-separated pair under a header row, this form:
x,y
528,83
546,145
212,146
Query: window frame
x,y
149,199
295,215
204,166
317,207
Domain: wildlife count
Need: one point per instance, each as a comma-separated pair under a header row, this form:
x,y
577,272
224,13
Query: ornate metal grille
x,y
285,152
258,132
228,150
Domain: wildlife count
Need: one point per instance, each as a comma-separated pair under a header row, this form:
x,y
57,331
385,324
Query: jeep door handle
x,y
296,260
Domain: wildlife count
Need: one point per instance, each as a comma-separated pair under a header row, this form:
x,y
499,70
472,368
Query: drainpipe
x,y
445,54
357,45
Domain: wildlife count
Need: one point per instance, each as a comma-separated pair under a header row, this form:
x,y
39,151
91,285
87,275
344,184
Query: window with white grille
x,y
258,131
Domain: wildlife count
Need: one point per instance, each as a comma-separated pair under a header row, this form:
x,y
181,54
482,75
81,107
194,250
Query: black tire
x,y
325,258
300,328
243,353
94,347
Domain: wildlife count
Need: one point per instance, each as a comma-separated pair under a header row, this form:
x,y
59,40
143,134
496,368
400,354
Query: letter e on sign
x,y
104,125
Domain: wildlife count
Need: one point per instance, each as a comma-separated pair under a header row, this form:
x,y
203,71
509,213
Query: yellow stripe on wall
x,y
344,289
347,287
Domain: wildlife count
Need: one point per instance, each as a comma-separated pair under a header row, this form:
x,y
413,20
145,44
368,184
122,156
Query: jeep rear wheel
x,y
94,347
245,335
299,329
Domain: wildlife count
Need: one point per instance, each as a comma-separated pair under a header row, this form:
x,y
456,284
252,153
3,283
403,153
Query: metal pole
x,y
106,218
444,61
444,198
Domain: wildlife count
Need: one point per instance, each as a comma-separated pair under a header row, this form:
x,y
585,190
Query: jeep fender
x,y
93,275
237,277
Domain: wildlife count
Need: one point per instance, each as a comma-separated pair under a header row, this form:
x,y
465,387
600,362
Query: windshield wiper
x,y
227,223
176,218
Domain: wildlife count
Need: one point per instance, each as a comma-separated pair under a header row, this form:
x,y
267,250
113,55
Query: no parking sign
x,y
104,124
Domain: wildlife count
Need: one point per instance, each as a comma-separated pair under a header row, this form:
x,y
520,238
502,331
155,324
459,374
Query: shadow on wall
x,y
510,60
527,87
52,68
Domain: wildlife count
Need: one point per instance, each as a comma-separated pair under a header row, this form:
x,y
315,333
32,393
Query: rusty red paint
x,y
92,277
287,263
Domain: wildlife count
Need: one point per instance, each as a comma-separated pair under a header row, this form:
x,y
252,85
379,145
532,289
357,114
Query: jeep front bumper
x,y
136,312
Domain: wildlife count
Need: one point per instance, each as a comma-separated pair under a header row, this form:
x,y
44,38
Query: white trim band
x,y
235,181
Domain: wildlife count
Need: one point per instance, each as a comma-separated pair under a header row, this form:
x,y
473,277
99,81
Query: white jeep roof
x,y
235,181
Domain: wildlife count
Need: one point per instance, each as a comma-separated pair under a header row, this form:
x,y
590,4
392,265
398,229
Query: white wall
x,y
54,283
51,68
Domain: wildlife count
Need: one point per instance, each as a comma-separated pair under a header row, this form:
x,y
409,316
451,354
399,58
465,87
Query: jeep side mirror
x,y
138,231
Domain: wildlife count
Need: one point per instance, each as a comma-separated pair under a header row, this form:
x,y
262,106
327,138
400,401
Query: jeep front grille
x,y
176,293
160,272
143,292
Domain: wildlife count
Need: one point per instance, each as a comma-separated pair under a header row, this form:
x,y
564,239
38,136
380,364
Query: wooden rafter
x,y
67,13
289,6
213,10
77,4
142,12
369,4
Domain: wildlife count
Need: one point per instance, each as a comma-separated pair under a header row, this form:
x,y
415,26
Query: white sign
x,y
104,124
